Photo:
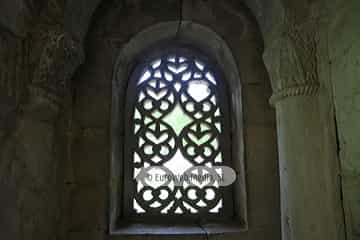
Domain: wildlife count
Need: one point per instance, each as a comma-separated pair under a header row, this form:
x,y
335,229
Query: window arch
x,y
177,132
194,39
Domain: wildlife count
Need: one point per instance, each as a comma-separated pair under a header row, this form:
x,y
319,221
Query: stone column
x,y
310,192
37,142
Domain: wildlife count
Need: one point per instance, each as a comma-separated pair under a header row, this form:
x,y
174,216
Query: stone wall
x,y
38,59
307,43
344,52
13,80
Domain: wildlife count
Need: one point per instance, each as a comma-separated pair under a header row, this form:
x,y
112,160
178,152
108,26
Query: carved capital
x,y
293,62
60,55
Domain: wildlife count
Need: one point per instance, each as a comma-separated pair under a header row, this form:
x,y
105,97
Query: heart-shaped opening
x,y
177,69
201,139
157,139
156,94
199,90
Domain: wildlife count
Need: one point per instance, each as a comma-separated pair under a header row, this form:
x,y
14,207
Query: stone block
x,y
10,212
251,66
351,188
90,156
266,232
87,208
92,106
86,235
78,16
98,68
257,109
262,175
261,153
15,16
263,194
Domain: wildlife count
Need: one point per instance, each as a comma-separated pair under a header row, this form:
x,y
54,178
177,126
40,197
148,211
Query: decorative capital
x,y
60,55
292,61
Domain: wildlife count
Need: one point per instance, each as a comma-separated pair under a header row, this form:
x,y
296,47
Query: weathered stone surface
x,y
92,106
86,235
60,55
10,213
344,51
260,150
36,145
351,188
29,140
251,65
337,60
309,186
265,232
257,109
90,153
87,208
13,76
262,175
103,53
16,16
40,210
78,16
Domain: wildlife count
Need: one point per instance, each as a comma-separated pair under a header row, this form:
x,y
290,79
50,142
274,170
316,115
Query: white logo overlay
x,y
194,176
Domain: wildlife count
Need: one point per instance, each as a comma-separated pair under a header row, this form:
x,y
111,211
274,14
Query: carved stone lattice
x,y
177,129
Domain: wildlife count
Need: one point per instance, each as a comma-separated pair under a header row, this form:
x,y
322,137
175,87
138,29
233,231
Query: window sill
x,y
179,229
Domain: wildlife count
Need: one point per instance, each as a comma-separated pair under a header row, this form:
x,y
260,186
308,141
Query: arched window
x,y
177,115
177,138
